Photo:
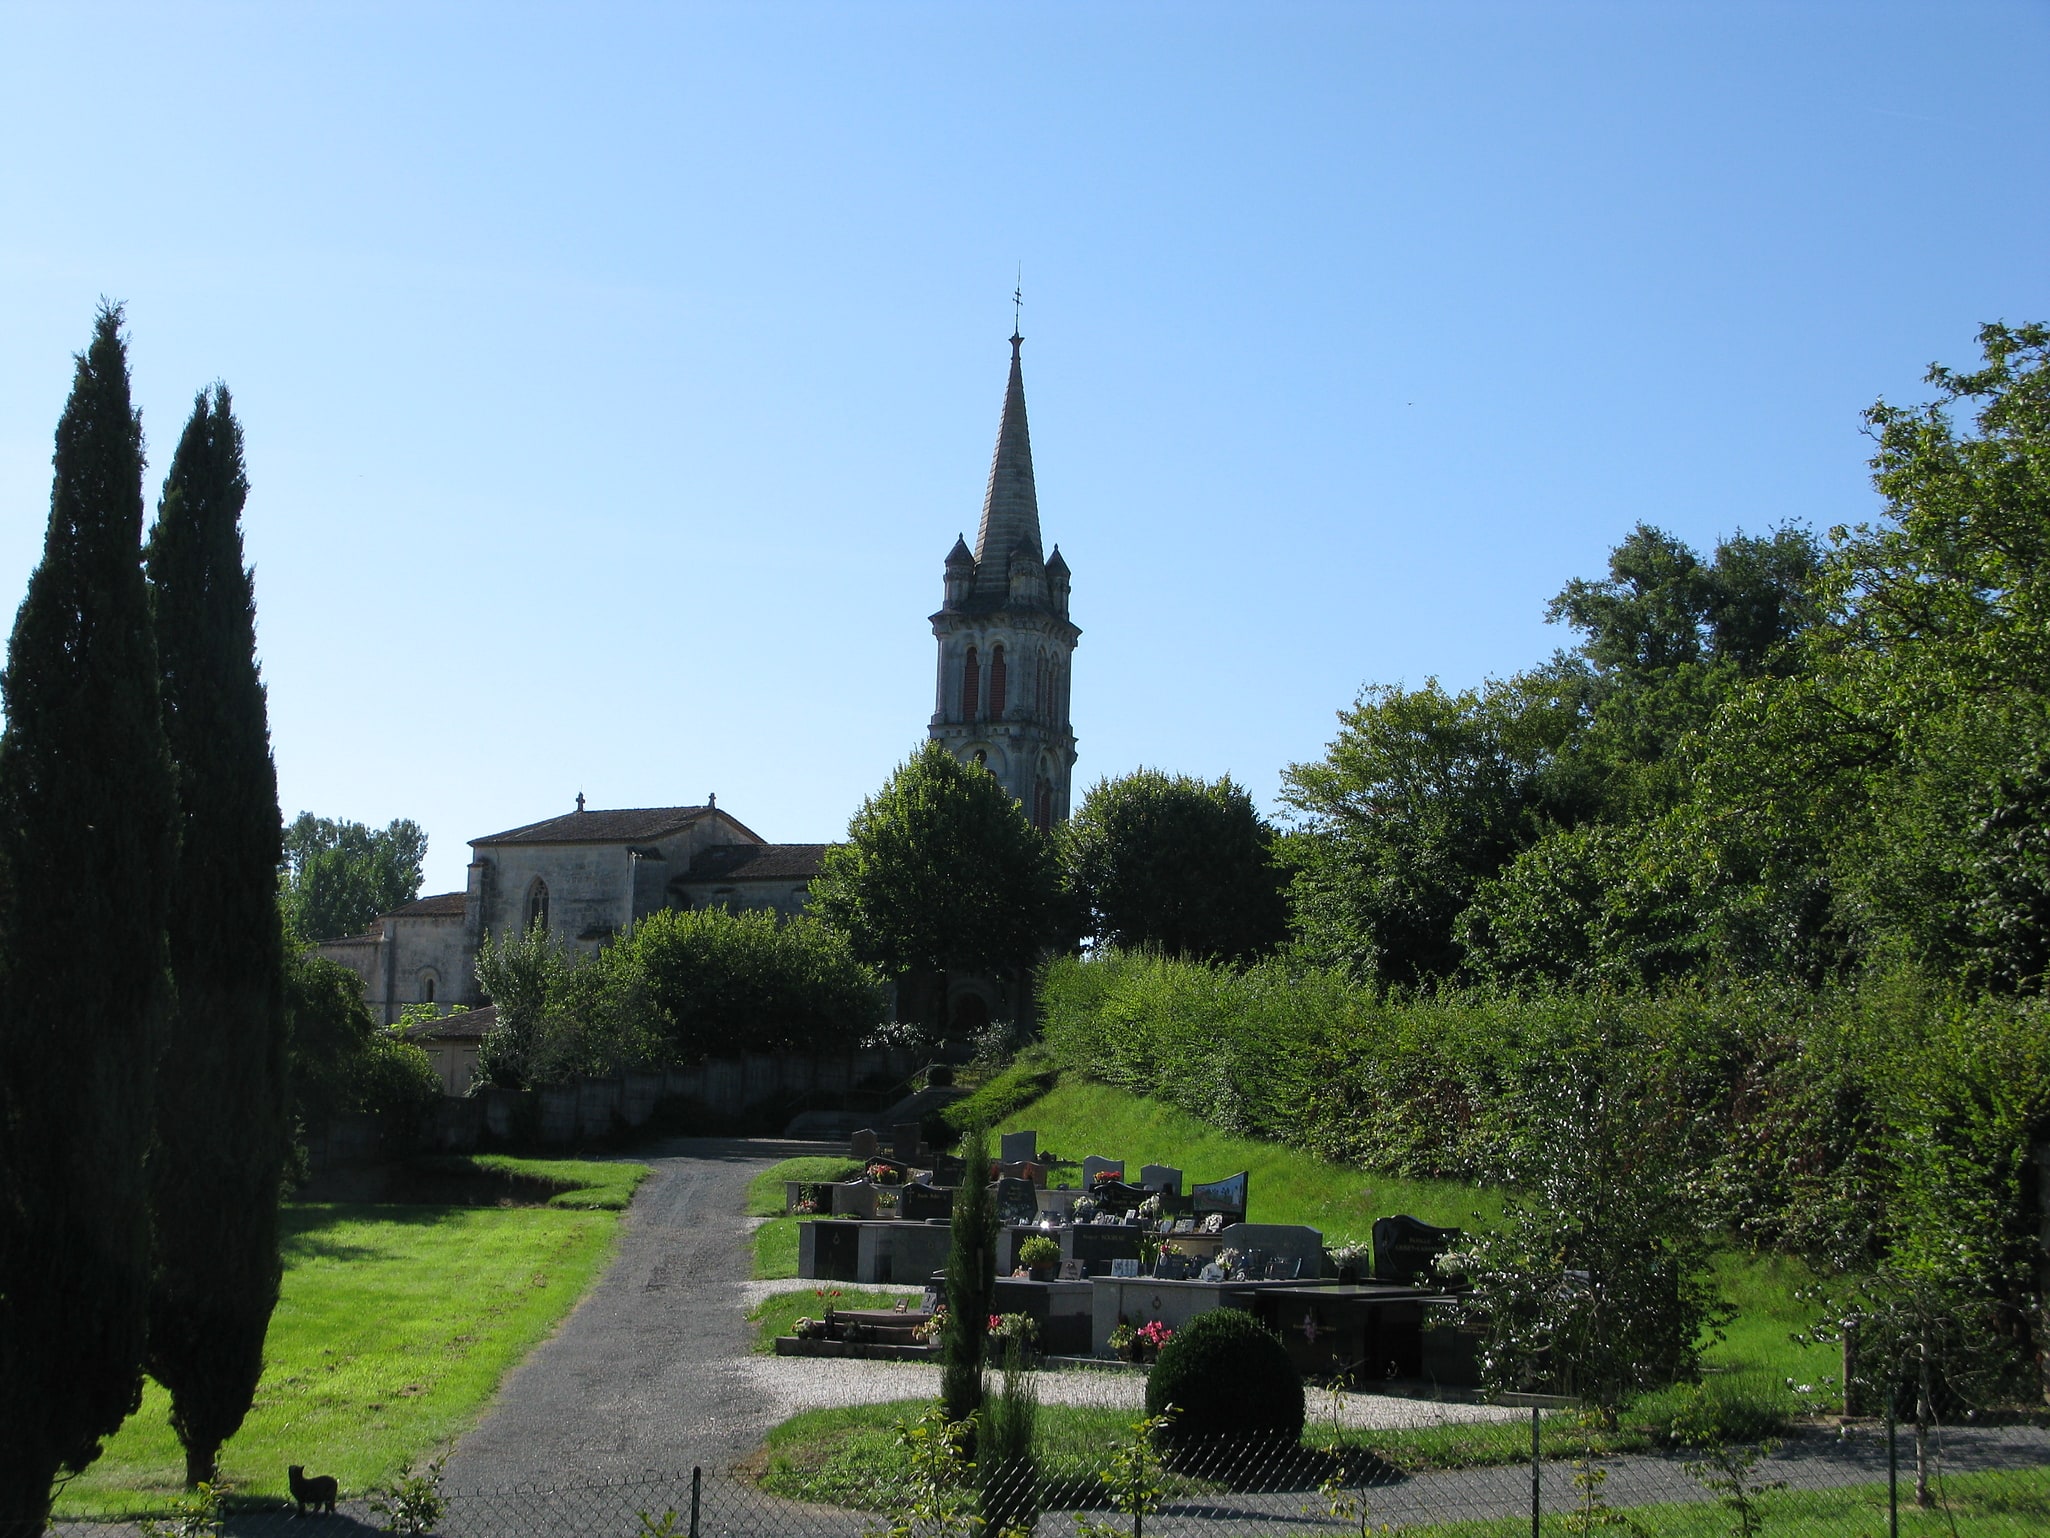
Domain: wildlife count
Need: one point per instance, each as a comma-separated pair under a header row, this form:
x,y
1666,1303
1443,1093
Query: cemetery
x,y
1109,1266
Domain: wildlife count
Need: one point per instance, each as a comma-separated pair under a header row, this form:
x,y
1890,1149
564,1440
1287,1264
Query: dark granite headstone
x,y
1095,1165
917,1203
1017,1206
1161,1177
1172,1268
1018,1147
907,1142
1227,1196
948,1170
1284,1268
1116,1196
1073,1271
1404,1248
864,1144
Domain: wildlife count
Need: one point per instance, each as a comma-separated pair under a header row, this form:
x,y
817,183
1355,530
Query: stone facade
x,y
589,875
1006,643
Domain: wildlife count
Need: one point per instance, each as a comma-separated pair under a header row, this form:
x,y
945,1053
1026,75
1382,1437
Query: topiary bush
x,y
1229,1379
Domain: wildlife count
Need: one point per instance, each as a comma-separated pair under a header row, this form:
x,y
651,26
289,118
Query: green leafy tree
x,y
520,973
942,870
87,839
342,1061
1421,797
221,1133
726,982
338,876
1175,864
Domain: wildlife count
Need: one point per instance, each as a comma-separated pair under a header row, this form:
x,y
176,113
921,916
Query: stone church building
x,y
1005,645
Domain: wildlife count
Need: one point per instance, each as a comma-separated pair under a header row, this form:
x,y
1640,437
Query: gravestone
x,y
907,1142
1018,1147
1124,1268
948,1170
1073,1271
1036,1173
1017,1206
854,1198
1404,1248
1161,1177
1284,1268
919,1204
1114,1196
1227,1196
1094,1166
1261,1242
864,1144
1172,1268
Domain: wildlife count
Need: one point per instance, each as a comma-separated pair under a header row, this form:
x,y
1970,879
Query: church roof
x,y
601,827
440,906
1010,505
757,862
463,1025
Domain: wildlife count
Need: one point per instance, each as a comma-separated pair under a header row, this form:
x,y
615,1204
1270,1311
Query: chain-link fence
x,y
1544,1475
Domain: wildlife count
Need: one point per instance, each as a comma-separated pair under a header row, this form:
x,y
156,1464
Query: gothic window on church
x,y
971,686
996,684
537,904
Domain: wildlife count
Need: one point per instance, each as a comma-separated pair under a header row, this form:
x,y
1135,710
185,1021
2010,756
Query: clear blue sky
x,y
616,377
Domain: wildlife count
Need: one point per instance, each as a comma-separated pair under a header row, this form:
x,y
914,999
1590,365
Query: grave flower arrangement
x,y
1124,1342
1150,1209
884,1175
928,1332
1153,1334
1039,1253
1234,1263
1086,1208
1107,1177
1353,1258
1019,1327
808,1328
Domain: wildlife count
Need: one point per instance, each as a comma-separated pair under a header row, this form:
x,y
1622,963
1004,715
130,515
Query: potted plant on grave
x,y
1354,1261
1124,1342
1040,1254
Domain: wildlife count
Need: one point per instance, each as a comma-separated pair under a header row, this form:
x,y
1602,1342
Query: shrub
x,y
1227,1377
1039,1250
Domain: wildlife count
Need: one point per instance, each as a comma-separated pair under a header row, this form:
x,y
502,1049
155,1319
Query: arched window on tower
x,y
537,904
971,686
1042,805
996,684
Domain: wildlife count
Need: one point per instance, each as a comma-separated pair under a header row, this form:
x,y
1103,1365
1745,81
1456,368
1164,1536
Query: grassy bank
x,y
395,1326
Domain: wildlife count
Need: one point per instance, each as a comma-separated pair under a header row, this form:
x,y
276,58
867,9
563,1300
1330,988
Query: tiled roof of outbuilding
x,y
463,1025
597,827
442,905
757,862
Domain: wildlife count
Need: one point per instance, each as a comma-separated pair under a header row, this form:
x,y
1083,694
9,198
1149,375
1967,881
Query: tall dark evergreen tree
x,y
221,1132
86,846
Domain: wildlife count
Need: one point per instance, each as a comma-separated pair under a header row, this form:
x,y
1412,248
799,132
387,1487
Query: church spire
x,y
1010,507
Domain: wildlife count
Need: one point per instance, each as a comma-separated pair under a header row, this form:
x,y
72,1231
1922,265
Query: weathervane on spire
x,y
1018,311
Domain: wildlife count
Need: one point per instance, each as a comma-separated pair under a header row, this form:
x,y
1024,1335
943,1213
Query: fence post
x,y
1536,1464
697,1479
1893,1469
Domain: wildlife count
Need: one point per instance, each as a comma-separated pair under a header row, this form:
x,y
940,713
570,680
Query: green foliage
x,y
942,869
87,841
217,1168
1598,1282
1039,1250
1726,1460
971,1288
726,982
520,974
1226,1376
341,1060
413,1503
1175,864
1005,1469
937,1453
338,876
1133,1478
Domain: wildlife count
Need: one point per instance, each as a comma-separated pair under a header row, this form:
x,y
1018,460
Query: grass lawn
x,y
852,1457
587,1185
776,1240
395,1326
776,1314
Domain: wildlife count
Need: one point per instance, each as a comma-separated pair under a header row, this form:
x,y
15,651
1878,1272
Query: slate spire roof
x,y
1010,507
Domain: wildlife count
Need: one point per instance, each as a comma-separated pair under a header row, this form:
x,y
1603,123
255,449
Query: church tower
x,y
1004,634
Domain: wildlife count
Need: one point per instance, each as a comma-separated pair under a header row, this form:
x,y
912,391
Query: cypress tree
x,y
221,1132
86,833
971,1284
